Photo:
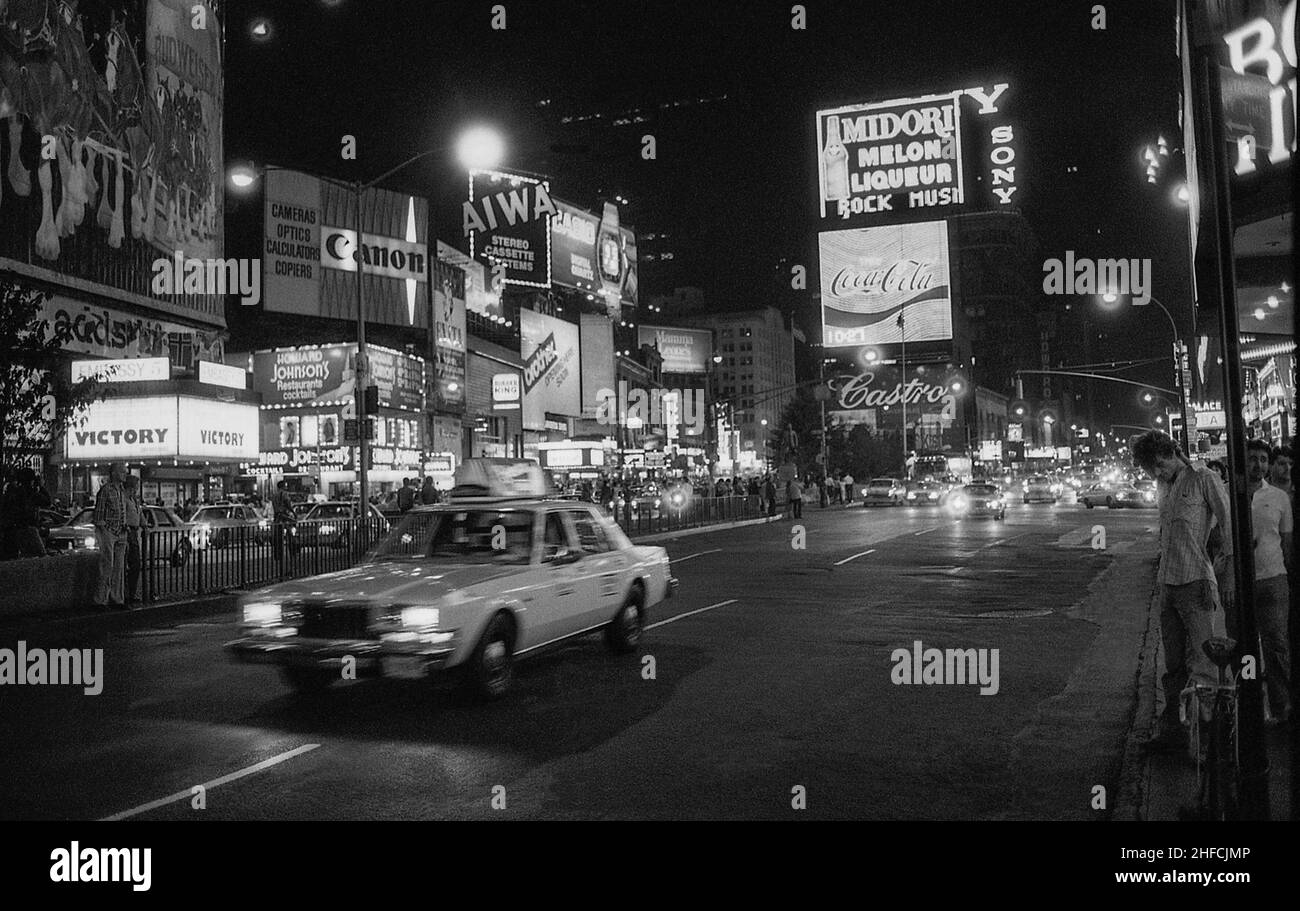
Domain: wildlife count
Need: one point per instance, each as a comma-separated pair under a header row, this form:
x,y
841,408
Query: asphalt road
x,y
772,688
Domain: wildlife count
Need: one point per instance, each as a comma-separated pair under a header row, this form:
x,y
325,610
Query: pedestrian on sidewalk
x,y
284,519
1190,610
134,529
1271,523
769,494
846,485
1279,470
110,538
24,498
794,494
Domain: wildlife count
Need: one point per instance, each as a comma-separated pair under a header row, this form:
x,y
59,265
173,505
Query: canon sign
x,y
539,362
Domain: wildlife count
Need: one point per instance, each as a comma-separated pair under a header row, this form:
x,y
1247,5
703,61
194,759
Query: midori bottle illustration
x,y
835,163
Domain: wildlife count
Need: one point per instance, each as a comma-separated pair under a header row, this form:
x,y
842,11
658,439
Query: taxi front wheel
x,y
490,669
624,631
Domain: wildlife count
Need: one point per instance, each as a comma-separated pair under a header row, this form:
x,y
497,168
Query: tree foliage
x,y
859,450
38,400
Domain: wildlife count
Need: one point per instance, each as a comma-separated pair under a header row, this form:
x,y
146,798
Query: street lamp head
x,y
260,29
717,358
242,177
480,148
1110,297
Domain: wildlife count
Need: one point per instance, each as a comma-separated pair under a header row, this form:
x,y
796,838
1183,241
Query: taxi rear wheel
x,y
624,631
490,669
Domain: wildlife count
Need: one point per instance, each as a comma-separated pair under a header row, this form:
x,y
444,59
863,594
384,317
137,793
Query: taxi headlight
x,y
90,542
911,494
420,617
327,529
263,613
959,503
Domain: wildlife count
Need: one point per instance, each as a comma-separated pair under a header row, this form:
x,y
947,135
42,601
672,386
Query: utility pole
x,y
902,328
362,369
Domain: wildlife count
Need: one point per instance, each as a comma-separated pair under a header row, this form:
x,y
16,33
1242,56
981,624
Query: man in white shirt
x,y
1271,524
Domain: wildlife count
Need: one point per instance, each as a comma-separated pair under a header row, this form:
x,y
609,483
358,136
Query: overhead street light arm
x,y
1100,376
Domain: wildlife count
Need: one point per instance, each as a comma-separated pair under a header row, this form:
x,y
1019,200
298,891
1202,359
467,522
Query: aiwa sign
x,y
309,251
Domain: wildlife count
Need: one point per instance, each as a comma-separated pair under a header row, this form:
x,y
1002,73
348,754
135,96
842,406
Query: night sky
x,y
729,91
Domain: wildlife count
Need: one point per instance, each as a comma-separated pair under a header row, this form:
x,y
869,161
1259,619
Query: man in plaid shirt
x,y
110,538
1194,498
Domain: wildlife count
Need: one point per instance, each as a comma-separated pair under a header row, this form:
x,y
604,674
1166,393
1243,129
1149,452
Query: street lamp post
x,y
1110,298
478,147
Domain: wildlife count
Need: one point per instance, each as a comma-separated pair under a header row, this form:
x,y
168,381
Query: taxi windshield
x,y
497,536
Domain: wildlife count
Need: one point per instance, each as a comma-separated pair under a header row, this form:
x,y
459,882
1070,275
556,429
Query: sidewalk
x,y
1153,787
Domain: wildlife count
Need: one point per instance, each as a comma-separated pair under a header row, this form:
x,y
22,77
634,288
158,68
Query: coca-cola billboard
x,y
885,285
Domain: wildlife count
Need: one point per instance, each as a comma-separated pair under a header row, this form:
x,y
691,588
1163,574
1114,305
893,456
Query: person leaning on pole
x,y
1271,525
1190,595
110,537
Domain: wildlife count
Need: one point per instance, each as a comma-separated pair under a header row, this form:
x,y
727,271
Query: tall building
x,y
756,375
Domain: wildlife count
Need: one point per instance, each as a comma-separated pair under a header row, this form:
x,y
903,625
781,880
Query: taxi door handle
x,y
564,591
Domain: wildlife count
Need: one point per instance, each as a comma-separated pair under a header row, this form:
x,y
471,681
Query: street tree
x,y
38,400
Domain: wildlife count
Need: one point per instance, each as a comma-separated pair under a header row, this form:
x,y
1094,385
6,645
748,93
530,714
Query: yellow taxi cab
x,y
499,572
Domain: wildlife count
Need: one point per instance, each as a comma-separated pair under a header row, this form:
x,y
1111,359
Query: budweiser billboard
x,y
885,285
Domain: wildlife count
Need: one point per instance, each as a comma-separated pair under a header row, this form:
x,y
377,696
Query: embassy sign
x,y
507,219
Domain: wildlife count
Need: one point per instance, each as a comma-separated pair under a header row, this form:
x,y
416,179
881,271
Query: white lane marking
x,y
928,530
716,550
855,556
224,779
690,613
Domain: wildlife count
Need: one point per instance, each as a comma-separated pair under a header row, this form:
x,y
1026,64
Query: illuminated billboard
x,y
683,350
885,285
508,222
890,156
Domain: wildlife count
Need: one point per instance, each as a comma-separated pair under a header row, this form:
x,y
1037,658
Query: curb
x,y
1135,769
146,615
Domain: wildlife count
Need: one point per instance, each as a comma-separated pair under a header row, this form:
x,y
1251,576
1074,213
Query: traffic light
x,y
371,399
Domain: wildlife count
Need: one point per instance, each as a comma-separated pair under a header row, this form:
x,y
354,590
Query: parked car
x,y
218,526
78,533
334,524
884,492
465,587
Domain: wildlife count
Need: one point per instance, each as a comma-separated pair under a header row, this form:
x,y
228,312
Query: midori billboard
x,y
892,156
549,347
885,285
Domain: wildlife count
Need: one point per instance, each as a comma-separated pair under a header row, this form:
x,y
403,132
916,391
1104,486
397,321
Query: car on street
x,y
925,493
1041,489
1118,496
78,532
466,587
884,492
227,523
976,500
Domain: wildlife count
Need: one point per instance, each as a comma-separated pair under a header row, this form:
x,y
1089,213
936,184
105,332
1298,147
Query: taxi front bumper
x,y
369,655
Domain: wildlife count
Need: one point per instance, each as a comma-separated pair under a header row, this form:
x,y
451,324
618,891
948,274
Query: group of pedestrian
x,y
23,498
1197,592
412,493
118,519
